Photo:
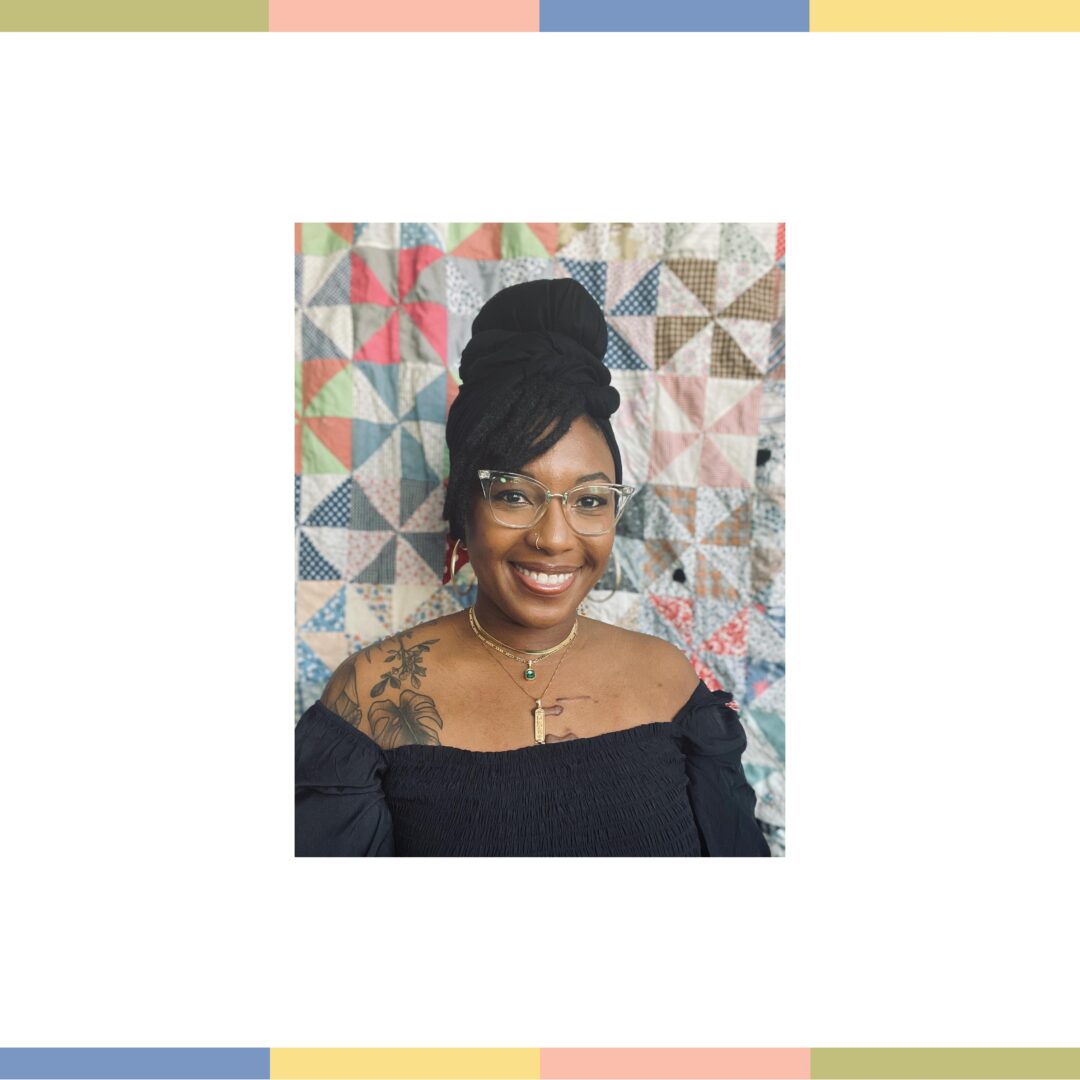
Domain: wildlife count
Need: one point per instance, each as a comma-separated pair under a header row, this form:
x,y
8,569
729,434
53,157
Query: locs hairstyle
x,y
535,358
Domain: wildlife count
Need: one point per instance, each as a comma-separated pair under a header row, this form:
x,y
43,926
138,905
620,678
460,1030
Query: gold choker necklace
x,y
501,646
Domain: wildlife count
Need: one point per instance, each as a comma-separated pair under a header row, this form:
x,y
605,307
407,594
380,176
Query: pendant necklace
x,y
539,732
530,657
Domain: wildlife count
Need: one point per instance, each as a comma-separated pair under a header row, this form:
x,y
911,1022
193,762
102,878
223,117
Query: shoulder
x,y
655,665
381,675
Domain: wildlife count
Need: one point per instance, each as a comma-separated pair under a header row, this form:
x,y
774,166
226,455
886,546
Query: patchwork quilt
x,y
696,349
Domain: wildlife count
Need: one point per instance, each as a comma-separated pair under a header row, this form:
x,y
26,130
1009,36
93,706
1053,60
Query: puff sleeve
x,y
713,740
340,807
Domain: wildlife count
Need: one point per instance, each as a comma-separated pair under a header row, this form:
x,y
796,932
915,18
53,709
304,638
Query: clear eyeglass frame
x,y
624,491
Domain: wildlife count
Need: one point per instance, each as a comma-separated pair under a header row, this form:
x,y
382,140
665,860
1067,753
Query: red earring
x,y
456,557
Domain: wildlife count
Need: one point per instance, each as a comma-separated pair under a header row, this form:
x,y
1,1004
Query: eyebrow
x,y
580,479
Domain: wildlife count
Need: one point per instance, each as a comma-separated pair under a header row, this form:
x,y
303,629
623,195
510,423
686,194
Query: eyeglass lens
x,y
591,509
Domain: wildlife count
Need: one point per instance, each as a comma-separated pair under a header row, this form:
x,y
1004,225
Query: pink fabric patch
x,y
431,319
730,639
717,471
411,261
677,612
365,287
742,417
688,392
382,347
667,446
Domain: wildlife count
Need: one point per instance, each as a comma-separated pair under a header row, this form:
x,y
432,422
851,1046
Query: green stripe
x,y
136,15
952,1063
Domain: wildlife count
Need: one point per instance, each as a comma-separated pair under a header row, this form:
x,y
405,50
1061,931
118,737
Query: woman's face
x,y
580,455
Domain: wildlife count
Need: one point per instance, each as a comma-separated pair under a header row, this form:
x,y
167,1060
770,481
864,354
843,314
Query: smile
x,y
544,584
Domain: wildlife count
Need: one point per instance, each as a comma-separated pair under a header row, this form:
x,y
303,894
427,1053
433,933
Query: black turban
x,y
549,329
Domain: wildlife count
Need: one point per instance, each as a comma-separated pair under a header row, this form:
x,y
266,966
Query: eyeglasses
x,y
519,502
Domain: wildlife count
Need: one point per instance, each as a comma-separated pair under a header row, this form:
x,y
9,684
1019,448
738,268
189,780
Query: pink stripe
x,y
674,1064
405,15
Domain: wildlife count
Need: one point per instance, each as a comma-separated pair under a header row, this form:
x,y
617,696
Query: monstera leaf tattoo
x,y
407,665
413,721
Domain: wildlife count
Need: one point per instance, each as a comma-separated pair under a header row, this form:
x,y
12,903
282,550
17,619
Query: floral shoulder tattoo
x,y
412,717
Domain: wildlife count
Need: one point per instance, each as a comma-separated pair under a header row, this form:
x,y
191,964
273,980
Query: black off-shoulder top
x,y
665,788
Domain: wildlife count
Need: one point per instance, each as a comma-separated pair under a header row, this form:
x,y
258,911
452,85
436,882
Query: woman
x,y
520,727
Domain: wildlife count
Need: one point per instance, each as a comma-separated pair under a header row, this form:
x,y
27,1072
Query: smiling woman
x,y
521,727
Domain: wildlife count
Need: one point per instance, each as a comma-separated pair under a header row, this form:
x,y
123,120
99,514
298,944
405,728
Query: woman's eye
x,y
592,502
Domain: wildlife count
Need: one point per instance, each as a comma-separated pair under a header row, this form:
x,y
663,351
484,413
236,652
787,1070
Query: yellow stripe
x,y
944,15
406,1064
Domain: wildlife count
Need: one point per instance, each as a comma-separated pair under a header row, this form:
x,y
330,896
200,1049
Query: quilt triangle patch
x,y
633,287
333,510
411,568
336,288
757,302
591,274
673,332
420,234
699,276
639,332
674,457
366,288
620,355
754,338
414,464
469,241
329,617
677,613
318,238
727,360
519,240
711,582
692,358
309,668
412,262
430,401
326,444
327,393
727,461
315,344
383,346
363,547
380,571
430,319
385,381
674,298
312,563
368,438
729,639
365,516
687,394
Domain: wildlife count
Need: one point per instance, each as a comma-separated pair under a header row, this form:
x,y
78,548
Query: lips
x,y
541,588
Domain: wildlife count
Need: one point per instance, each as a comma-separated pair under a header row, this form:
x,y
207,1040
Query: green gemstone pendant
x,y
529,673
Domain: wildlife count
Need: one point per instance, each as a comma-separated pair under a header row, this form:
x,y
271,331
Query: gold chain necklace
x,y
539,733
527,660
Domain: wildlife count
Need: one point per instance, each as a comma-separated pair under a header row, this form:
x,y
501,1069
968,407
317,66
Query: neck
x,y
517,636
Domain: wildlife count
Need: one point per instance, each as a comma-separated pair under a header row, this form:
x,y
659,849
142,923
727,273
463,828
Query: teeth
x,y
544,579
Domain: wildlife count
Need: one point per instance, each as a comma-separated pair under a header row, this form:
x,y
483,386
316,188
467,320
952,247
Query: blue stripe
x,y
675,15
100,1063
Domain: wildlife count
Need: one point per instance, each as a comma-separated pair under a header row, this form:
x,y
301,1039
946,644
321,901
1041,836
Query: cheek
x,y
600,556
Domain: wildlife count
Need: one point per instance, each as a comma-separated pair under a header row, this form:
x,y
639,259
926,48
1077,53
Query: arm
x,y
340,806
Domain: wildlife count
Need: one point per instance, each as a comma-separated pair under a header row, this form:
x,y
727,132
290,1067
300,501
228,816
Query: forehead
x,y
582,450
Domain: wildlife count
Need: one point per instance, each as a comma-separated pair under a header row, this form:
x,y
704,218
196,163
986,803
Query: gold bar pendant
x,y
538,722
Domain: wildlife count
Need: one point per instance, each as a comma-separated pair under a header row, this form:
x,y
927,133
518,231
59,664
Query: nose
x,y
553,528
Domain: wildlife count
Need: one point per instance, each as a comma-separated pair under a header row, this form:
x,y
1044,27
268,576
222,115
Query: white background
x,y
150,894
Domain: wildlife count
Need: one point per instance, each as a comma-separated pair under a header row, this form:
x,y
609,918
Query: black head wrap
x,y
548,330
